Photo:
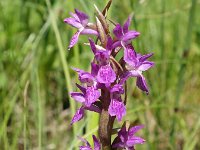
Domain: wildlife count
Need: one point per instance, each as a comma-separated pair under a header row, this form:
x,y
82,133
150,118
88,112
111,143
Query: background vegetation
x,y
35,74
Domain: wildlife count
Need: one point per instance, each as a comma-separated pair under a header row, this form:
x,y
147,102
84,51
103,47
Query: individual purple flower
x,y
79,20
136,64
126,138
106,74
117,108
88,96
123,35
87,146
102,55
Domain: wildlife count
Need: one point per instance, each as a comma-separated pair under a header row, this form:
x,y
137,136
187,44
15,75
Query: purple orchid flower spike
x,y
123,35
79,20
126,138
87,146
136,64
104,90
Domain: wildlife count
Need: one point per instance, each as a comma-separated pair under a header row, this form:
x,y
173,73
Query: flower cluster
x,y
103,88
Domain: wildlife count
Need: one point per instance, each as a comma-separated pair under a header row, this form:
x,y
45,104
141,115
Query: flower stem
x,y
105,122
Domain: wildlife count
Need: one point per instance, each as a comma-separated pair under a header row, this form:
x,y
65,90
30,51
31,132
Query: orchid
x,y
136,64
126,138
80,21
123,35
103,89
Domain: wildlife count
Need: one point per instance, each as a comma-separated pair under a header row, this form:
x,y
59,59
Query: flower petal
x,y
130,35
145,66
91,96
106,74
141,83
135,140
78,116
117,88
74,39
97,145
73,22
130,55
77,96
85,148
95,69
145,57
116,44
117,108
134,129
93,108
92,45
86,78
127,24
118,31
102,57
124,77
90,32
83,89
109,44
82,16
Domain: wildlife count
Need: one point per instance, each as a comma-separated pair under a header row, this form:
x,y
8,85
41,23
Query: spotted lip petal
x,y
106,75
117,108
91,96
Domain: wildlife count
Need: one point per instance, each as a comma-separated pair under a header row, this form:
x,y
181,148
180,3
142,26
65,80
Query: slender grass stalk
x,y
63,60
25,115
40,113
16,137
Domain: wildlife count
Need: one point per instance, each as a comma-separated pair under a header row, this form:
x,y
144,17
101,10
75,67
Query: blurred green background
x,y
35,74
